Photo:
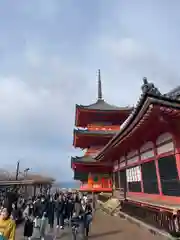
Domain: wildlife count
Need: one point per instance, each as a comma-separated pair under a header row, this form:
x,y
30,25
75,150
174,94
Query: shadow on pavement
x,y
93,236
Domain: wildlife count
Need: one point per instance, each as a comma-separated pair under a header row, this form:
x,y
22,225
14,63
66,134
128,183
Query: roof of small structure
x,y
150,95
39,178
35,178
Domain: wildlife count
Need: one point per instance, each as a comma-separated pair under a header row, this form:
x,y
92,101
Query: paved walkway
x,y
106,227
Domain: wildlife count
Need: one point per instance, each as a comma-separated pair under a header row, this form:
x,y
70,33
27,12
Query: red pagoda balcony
x,y
93,127
93,151
95,187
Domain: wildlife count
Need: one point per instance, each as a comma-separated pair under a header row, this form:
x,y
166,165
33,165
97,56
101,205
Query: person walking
x,y
88,216
43,208
28,224
70,208
50,212
28,227
60,208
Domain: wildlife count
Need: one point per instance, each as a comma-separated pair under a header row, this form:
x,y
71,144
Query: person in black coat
x,y
70,208
60,210
37,204
50,212
43,207
28,227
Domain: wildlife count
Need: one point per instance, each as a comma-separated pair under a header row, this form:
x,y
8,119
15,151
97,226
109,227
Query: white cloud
x,y
44,75
134,60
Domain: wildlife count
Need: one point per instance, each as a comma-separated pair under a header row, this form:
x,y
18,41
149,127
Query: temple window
x,y
164,143
116,174
123,181
116,165
169,175
122,162
132,157
147,151
134,179
149,177
116,179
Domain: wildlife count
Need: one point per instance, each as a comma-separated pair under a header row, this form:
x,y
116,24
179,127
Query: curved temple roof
x,y
175,93
151,95
87,160
102,105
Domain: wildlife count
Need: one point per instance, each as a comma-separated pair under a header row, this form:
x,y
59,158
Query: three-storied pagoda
x,y
146,158
96,124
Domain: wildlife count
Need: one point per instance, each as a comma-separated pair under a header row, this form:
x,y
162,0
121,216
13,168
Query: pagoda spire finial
x,y
99,85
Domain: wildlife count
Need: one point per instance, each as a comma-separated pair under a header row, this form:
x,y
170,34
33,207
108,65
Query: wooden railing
x,y
97,185
93,151
168,221
93,127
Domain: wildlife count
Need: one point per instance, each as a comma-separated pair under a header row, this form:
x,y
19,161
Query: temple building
x,y
96,125
145,154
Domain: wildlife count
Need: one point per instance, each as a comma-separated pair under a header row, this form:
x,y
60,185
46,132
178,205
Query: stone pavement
x,y
106,227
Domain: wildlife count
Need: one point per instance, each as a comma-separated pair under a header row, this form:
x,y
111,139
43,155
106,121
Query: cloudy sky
x,y
50,51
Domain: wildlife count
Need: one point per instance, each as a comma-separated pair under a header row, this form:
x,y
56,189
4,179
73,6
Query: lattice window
x,y
147,151
134,179
164,143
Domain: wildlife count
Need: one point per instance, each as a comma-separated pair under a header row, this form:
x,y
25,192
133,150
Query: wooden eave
x,y
96,133
86,133
89,109
145,104
89,162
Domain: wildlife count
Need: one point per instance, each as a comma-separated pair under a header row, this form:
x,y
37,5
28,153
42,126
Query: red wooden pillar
x,y
142,185
157,171
177,154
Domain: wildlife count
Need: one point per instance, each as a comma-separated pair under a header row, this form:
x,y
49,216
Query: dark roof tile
x,y
102,105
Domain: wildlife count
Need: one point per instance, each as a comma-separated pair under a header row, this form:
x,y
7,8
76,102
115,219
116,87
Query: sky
x,y
50,51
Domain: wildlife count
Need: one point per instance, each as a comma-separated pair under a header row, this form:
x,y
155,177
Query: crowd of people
x,y
39,212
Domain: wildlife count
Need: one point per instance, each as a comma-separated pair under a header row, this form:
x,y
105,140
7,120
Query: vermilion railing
x,y
92,151
95,187
93,127
101,186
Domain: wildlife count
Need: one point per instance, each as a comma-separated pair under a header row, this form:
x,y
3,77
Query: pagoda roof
x,y
150,96
87,113
102,105
94,132
85,159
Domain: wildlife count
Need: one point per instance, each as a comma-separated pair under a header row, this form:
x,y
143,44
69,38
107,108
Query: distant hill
x,y
69,184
